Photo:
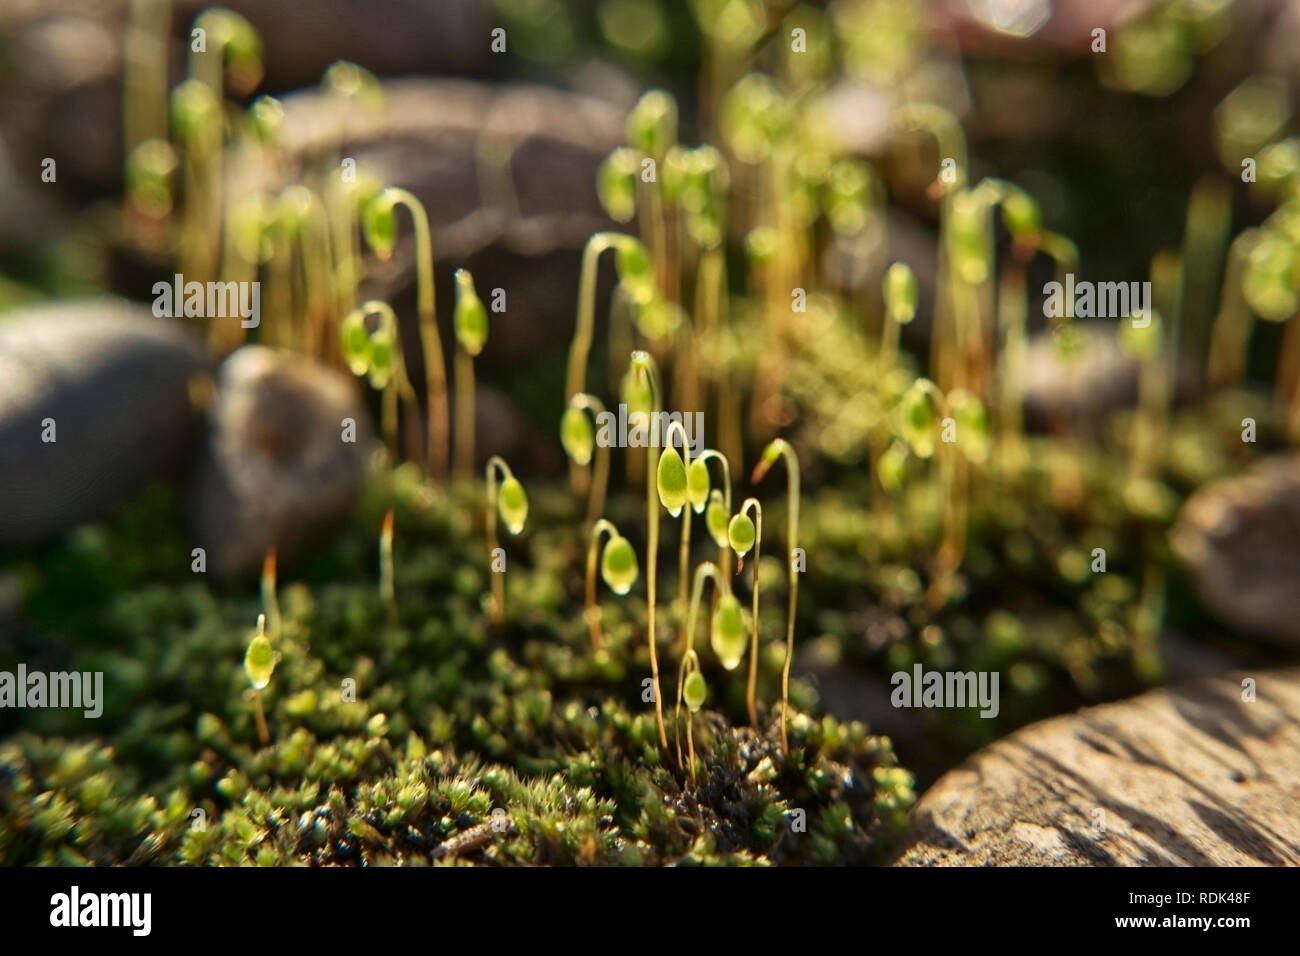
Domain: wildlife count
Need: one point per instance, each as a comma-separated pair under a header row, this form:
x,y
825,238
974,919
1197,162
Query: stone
x,y
1239,538
275,470
62,95
519,223
1082,388
120,387
1185,776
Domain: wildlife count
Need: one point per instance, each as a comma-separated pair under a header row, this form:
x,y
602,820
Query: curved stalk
x,y
576,377
471,330
592,613
712,454
496,464
435,366
600,474
779,448
583,329
399,384
644,366
751,688
690,665
684,550
705,571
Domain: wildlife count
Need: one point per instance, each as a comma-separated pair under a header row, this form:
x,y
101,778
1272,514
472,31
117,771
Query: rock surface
x,y
1240,539
507,176
275,469
1080,388
62,95
118,385
1189,776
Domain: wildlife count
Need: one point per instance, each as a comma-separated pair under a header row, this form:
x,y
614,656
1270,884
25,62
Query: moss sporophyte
x,y
672,483
637,282
508,500
259,664
779,449
578,436
377,354
471,327
618,568
728,636
646,374
379,224
744,533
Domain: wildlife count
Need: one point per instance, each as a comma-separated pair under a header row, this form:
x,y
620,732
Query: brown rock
x,y
1240,539
1189,776
275,469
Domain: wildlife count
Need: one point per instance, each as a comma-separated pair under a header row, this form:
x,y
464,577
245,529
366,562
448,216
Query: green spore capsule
x,y
715,518
972,252
260,658
675,174
632,262
634,392
354,338
729,636
243,51
355,83
616,184
512,504
760,245
196,113
1021,213
697,484
618,565
848,191
471,318
1272,277
265,118
149,170
900,293
741,534
694,690
652,124
918,421
892,466
974,434
379,224
659,319
577,436
383,359
671,481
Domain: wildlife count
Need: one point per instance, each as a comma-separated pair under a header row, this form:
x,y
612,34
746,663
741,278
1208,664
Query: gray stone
x,y
1098,379
1188,776
1240,539
275,469
119,386
62,95
526,238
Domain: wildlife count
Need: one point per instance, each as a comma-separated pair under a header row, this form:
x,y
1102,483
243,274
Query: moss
x,y
452,720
